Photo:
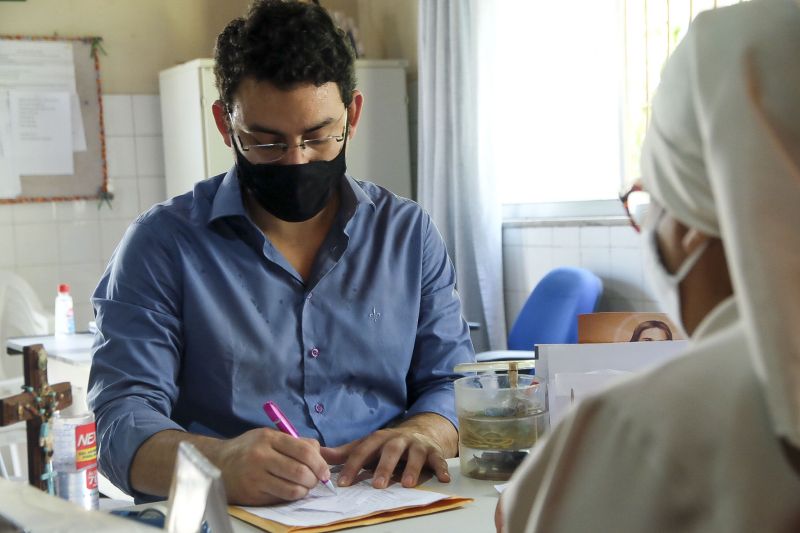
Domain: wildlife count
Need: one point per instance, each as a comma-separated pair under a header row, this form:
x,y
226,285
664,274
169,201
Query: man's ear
x,y
354,112
222,120
692,239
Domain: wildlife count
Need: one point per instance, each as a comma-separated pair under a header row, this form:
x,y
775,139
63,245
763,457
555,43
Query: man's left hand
x,y
424,440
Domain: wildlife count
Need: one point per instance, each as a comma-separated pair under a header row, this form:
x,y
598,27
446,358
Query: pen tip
x,y
330,486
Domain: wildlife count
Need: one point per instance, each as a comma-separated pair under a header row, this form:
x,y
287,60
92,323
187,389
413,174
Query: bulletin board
x,y
90,178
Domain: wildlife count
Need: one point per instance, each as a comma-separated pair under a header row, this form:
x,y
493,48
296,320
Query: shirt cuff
x,y
440,401
121,432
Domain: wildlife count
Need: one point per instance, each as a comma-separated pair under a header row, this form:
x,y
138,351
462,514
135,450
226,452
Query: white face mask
x,y
665,285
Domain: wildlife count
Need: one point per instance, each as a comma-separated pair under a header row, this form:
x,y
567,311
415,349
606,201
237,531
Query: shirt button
x,y
308,296
319,408
314,352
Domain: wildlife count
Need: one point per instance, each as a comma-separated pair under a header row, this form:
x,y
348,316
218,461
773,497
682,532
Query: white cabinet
x,y
194,150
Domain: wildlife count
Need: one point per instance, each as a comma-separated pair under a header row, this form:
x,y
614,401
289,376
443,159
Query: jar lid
x,y
496,366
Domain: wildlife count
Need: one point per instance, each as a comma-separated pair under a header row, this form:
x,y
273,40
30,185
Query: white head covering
x,y
722,155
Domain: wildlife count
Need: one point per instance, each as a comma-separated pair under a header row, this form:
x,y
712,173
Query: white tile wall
x,y
118,112
151,191
70,242
126,199
146,115
79,242
149,156
121,153
610,251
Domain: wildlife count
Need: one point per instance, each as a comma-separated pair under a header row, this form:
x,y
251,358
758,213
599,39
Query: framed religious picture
x,y
627,327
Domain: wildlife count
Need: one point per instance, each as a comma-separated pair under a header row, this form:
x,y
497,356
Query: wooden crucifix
x,y
36,405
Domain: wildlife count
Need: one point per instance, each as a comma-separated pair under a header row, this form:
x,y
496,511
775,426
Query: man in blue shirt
x,y
282,280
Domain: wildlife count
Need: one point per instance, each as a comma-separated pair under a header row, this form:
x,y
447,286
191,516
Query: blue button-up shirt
x,y
201,320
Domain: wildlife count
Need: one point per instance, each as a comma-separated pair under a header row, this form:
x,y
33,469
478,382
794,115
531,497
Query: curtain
x,y
452,180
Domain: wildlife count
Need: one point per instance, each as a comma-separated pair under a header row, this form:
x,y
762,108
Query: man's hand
x,y
259,467
422,441
265,466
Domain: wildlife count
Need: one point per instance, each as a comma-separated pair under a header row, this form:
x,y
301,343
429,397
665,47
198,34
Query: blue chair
x,y
550,315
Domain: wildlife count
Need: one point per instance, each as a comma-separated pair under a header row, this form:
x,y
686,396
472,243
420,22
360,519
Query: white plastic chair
x,y
21,315
13,460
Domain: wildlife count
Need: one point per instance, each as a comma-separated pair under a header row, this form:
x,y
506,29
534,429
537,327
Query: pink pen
x,y
284,426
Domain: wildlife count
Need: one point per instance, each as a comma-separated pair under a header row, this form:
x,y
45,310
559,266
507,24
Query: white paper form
x,y
321,507
43,66
41,134
10,186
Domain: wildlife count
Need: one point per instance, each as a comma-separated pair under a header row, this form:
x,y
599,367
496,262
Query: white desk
x,y
70,360
474,517
72,349
40,512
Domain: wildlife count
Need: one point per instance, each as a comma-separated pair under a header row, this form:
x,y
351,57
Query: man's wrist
x,y
154,462
434,428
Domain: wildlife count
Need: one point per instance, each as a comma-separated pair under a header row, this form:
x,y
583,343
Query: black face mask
x,y
293,193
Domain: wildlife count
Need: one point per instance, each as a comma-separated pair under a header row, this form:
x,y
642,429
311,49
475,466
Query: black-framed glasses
x,y
317,148
636,202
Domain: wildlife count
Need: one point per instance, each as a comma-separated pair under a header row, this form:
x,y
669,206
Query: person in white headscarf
x,y
709,441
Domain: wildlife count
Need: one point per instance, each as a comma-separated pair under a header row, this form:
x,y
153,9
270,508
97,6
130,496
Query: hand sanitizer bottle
x,y
75,459
65,315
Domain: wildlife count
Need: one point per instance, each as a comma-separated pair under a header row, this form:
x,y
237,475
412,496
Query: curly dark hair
x,y
284,42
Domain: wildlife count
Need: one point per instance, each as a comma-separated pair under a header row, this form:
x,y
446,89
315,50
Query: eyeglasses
x,y
636,203
320,148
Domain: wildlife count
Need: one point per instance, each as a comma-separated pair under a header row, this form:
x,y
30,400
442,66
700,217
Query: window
x,y
565,89
653,28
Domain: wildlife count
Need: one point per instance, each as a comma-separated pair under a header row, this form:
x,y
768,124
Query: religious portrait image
x,y
627,327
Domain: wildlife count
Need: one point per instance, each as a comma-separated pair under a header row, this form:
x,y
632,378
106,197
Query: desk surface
x,y
474,517
40,512
74,349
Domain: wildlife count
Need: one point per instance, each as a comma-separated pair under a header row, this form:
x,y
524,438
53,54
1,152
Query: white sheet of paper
x,y
41,132
321,507
10,186
620,357
43,65
78,133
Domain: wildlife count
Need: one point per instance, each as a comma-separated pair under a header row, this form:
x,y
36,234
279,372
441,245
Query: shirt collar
x,y
353,196
228,199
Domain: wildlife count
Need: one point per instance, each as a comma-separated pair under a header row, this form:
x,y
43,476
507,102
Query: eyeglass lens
x,y
317,148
